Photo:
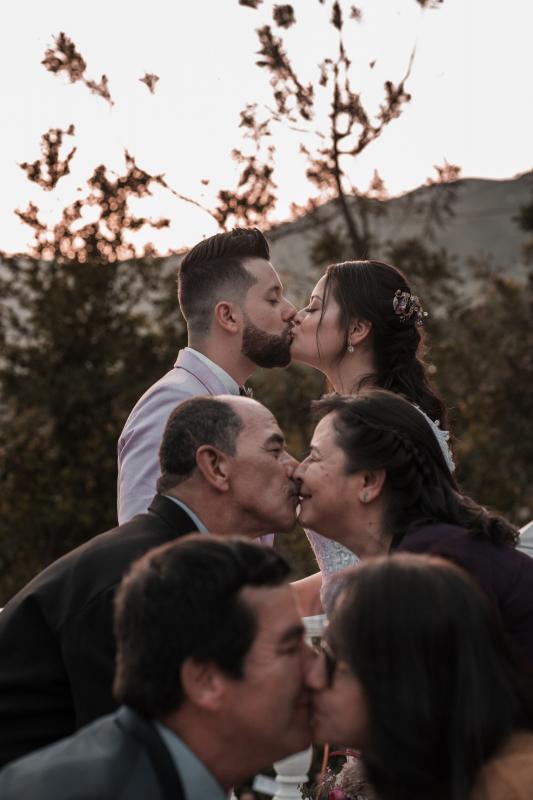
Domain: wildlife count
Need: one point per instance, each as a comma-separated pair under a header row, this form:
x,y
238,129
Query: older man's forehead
x,y
257,417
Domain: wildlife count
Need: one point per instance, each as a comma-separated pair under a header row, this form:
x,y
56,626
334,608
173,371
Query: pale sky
x,y
471,84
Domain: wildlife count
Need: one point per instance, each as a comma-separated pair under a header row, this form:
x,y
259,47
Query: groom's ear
x,y
228,316
358,331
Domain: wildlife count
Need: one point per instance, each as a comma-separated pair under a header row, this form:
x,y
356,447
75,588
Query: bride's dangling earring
x,y
350,348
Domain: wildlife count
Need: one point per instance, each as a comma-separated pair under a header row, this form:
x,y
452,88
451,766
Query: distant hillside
x,y
481,226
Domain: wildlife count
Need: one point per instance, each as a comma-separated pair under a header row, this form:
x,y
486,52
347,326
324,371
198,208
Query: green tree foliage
x,y
481,358
524,220
85,330
77,350
484,361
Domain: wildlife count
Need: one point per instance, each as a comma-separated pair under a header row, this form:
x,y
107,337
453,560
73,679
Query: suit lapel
x,y
201,372
160,758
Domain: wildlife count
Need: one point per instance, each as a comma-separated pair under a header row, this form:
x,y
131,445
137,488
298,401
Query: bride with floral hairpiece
x,y
363,328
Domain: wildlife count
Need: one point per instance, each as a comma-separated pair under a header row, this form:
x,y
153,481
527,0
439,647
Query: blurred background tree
x,y
86,328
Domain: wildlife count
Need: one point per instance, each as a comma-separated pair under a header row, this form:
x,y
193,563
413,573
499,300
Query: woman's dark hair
x,y
366,289
377,429
442,688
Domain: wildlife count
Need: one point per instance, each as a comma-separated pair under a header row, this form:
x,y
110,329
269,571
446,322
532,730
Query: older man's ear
x,y
214,466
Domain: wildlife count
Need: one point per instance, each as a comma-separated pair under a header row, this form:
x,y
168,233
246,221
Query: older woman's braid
x,y
417,455
390,440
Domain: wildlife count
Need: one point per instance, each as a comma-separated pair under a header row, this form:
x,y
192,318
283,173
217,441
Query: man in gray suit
x,y
237,319
211,674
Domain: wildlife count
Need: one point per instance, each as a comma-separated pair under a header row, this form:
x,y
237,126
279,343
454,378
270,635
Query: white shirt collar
x,y
197,521
197,781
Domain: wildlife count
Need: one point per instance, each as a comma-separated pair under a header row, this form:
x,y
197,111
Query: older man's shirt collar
x,y
197,521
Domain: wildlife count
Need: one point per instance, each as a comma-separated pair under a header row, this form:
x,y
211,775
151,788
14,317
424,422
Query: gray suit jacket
x,y
138,444
118,757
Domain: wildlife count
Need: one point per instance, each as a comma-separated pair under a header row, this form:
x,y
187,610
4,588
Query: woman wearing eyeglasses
x,y
416,674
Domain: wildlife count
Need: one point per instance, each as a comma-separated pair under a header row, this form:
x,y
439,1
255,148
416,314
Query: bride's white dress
x,y
332,556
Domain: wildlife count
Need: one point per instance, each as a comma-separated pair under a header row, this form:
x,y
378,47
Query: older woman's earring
x,y
350,348
364,497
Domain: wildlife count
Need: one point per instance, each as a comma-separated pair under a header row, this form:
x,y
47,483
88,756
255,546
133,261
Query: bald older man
x,y
224,468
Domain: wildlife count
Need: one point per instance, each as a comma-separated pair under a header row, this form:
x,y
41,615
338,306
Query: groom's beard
x,y
266,349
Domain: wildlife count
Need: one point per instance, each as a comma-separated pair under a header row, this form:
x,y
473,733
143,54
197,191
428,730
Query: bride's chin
x,y
302,354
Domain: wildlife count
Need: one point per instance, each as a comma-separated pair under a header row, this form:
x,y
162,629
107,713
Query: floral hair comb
x,y
407,305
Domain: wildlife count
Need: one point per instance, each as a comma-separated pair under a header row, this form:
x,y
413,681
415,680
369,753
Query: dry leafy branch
x,y
50,168
63,57
330,149
102,240
283,16
150,80
254,197
285,83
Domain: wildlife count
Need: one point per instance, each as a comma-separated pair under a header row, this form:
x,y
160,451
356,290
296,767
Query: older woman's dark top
x,y
505,574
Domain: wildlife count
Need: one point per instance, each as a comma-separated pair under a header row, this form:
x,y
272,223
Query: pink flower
x,y
337,794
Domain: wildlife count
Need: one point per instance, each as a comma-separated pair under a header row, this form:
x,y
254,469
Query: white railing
x,y
525,543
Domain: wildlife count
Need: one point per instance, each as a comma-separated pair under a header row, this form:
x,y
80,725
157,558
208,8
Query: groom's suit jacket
x,y
138,444
120,756
57,648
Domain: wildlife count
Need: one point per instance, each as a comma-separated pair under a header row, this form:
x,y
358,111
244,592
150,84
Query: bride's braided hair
x,y
381,430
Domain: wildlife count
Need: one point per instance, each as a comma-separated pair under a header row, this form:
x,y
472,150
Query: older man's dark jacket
x,y
57,650
120,756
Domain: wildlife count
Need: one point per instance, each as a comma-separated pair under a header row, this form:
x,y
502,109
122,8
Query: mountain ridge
x,y
481,226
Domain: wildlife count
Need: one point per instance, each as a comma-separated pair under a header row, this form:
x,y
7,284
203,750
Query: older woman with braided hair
x,y
363,328
376,480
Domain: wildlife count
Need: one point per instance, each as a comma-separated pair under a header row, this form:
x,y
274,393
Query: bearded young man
x,y
237,319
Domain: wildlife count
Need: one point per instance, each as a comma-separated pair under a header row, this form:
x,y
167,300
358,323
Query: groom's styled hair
x,y
214,270
183,600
